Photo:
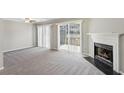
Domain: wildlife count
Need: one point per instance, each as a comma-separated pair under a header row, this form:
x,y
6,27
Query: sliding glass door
x,y
74,37
70,37
64,37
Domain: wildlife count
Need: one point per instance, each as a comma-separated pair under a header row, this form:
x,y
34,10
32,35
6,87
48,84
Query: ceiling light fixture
x,y
29,20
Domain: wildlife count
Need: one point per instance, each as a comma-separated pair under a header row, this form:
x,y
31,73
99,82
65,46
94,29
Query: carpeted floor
x,y
38,61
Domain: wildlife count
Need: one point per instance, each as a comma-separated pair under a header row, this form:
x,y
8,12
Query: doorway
x,y
69,34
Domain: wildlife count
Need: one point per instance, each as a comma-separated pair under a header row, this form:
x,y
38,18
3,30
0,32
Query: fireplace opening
x,y
103,53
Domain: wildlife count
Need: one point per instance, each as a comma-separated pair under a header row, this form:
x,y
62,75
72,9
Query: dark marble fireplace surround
x,y
103,58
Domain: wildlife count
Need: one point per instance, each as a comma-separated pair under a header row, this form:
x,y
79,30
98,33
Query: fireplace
x,y
103,53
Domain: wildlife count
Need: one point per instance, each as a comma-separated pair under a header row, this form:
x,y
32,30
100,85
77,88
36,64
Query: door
x,y
74,37
70,37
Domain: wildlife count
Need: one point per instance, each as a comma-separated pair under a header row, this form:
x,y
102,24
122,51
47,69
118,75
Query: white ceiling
x,y
43,20
23,19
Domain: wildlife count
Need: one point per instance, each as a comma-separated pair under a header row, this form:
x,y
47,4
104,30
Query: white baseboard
x,y
9,50
1,68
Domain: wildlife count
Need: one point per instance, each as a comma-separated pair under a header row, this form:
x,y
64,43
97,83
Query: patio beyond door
x,y
70,37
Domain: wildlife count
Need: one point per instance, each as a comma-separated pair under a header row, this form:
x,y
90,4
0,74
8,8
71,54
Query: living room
x,y
61,46
98,41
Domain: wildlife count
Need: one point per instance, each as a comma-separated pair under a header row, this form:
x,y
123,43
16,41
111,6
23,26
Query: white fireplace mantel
x,y
107,34
108,39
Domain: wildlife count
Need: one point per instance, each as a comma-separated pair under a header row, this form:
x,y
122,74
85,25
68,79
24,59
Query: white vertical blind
x,y
40,35
47,36
44,36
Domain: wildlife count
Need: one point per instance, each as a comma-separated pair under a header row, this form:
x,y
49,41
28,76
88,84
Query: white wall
x,y
108,25
15,35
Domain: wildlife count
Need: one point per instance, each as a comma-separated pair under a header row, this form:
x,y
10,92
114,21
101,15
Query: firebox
x,y
103,53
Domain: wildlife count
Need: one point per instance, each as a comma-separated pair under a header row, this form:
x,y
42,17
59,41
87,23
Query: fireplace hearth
x,y
103,53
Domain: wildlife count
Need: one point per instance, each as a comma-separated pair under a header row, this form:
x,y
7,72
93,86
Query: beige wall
x,y
15,35
85,37
1,34
1,61
54,36
106,25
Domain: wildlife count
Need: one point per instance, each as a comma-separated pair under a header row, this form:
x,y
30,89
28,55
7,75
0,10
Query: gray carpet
x,y
38,61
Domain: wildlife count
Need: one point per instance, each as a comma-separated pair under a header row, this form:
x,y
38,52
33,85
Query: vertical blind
x,y
44,36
